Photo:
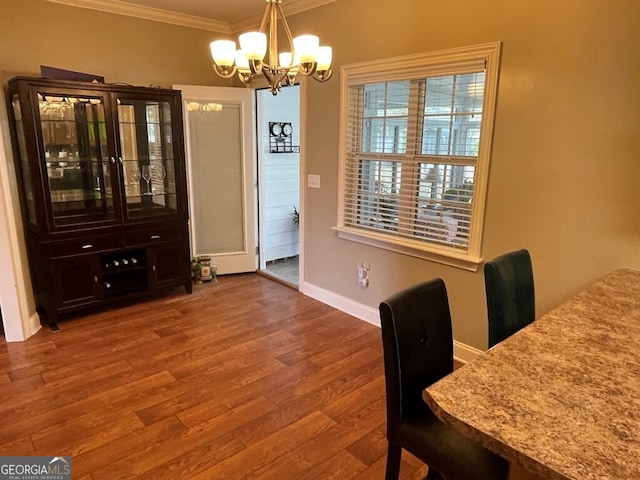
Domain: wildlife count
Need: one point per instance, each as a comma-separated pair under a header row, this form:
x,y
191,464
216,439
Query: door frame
x,y
263,146
228,262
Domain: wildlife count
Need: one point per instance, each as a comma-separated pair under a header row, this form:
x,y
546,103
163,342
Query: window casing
x,y
414,149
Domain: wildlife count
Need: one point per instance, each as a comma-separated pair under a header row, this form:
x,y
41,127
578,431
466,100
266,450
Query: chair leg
x,y
394,453
433,475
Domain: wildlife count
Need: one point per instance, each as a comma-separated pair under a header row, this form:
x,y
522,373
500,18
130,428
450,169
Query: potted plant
x,y
295,216
196,270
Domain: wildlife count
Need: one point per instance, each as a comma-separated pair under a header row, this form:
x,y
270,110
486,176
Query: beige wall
x,y
120,48
566,141
564,179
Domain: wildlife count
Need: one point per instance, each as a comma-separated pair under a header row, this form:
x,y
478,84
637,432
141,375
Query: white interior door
x,y
219,143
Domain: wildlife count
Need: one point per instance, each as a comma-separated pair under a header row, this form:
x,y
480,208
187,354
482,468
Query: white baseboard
x,y
34,324
23,330
344,304
461,352
464,353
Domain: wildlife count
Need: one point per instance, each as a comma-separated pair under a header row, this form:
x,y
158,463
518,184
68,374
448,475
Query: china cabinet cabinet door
x,y
168,265
77,281
168,254
79,171
148,157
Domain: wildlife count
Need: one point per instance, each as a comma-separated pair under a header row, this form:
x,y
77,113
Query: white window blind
x,y
415,151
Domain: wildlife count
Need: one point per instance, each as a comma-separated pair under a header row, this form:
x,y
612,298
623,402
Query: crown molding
x,y
155,14
291,7
158,15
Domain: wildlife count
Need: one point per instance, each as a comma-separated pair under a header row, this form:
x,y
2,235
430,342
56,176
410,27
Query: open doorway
x,y
278,128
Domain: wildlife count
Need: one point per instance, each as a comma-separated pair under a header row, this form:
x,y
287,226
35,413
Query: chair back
x,y
510,294
417,342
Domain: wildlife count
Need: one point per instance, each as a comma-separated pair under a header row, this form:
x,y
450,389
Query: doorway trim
x,y
244,260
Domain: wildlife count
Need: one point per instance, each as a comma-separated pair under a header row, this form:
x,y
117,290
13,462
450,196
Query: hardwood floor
x,y
243,379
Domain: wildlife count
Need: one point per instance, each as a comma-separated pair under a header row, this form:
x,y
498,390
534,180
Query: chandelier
x,y
305,55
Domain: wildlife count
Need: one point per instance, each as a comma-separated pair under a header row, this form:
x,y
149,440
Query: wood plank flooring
x,y
243,379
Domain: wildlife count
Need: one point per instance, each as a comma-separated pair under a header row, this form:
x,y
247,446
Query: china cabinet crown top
x,y
78,85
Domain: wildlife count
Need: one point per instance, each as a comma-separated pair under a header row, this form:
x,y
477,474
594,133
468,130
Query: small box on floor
x,y
207,271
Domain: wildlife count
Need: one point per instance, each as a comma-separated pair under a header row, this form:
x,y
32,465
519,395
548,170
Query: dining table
x,y
561,397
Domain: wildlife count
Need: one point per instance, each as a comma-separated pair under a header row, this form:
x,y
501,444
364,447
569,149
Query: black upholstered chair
x,y
510,294
418,350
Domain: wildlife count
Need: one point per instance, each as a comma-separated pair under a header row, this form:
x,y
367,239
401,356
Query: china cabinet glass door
x,y
25,167
76,155
147,157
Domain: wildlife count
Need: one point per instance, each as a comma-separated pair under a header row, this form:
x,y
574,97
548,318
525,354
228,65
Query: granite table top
x,y
562,396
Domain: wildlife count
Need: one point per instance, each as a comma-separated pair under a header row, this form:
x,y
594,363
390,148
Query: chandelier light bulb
x,y
242,62
254,45
243,67
223,52
306,47
285,59
324,58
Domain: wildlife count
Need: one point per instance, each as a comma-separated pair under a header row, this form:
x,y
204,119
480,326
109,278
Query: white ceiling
x,y
222,16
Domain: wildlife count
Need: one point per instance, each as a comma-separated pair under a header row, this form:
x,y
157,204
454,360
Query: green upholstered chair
x,y
510,294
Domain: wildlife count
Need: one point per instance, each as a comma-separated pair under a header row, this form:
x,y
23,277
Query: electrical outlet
x,y
363,274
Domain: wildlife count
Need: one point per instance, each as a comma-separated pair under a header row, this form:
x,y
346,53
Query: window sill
x,y
427,252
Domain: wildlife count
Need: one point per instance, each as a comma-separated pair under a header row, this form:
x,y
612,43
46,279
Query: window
x,y
415,143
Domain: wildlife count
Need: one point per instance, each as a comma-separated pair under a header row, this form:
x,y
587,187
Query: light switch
x,y
313,181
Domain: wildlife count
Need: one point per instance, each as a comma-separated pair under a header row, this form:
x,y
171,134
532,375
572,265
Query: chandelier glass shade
x,y
258,53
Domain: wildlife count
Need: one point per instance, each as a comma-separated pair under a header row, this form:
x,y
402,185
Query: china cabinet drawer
x,y
86,245
154,235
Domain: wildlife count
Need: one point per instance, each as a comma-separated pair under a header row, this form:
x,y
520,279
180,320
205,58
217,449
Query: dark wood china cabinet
x,y
102,182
